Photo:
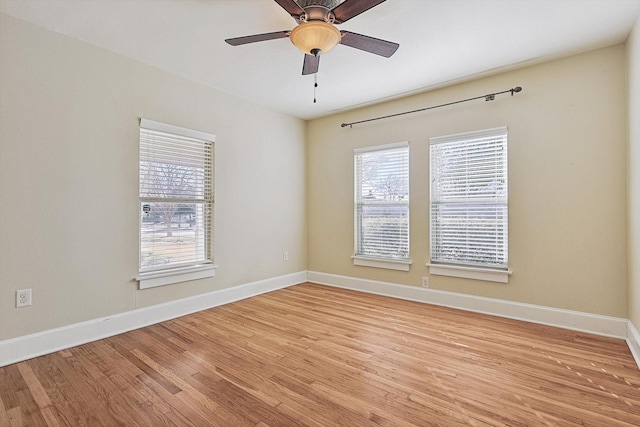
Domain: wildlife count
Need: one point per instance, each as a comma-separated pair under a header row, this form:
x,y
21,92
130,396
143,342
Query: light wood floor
x,y
319,356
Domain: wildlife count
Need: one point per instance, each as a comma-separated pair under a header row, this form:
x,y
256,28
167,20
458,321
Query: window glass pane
x,y
469,233
384,175
166,180
172,233
384,231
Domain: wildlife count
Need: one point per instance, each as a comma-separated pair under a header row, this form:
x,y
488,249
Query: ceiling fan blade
x,y
257,38
291,6
310,64
350,8
369,44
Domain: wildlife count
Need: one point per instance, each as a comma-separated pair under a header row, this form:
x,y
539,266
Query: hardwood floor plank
x,y
193,397
4,417
15,418
38,393
179,414
318,356
239,401
148,370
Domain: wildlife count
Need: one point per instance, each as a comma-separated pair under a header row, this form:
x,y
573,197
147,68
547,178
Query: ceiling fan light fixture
x,y
313,36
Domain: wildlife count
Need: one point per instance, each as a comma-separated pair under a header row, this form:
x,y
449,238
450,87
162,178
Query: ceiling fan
x,y
316,33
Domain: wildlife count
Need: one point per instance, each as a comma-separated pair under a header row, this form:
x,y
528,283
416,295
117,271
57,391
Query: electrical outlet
x,y
23,297
285,256
425,282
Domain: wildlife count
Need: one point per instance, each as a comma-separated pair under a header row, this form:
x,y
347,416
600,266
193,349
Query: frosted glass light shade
x,y
312,35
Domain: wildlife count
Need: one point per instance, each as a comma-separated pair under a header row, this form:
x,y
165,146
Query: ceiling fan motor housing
x,y
316,10
327,4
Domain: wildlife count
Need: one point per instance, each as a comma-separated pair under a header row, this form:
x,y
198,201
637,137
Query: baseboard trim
x,y
633,340
29,346
567,319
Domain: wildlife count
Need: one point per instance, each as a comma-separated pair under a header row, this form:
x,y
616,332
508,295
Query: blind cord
x,y
487,97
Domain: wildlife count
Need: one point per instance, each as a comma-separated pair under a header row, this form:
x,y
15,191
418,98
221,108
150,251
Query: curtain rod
x,y
487,97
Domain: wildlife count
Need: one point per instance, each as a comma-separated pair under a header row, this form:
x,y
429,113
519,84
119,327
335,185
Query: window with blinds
x,y
382,202
469,199
176,196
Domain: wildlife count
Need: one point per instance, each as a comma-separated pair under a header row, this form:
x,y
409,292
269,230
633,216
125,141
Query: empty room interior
x,y
410,213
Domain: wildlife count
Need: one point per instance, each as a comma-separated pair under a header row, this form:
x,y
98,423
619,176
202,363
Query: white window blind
x,y
176,196
382,202
469,199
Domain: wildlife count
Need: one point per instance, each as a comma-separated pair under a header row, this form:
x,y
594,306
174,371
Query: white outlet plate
x,y
425,282
23,297
285,256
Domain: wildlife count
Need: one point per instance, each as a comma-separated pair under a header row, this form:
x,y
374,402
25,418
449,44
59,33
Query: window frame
x,y
495,272
359,258
195,269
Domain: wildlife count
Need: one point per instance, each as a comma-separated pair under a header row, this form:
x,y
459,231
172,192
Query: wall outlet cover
x,y
23,297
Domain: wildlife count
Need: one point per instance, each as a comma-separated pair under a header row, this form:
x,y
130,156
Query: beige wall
x,y
68,180
633,54
567,148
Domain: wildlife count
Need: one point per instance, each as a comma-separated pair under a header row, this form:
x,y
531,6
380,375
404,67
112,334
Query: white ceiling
x,y
440,41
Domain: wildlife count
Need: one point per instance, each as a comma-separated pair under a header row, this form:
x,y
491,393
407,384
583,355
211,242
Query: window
x,y
382,206
176,204
469,205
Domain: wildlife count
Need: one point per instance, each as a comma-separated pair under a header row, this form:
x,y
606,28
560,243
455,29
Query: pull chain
x,y
315,85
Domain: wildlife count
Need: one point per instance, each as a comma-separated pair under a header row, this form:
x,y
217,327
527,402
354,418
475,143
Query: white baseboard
x,y
633,340
585,322
26,347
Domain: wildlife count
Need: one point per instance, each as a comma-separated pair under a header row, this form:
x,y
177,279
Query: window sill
x,y
389,264
478,273
154,279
